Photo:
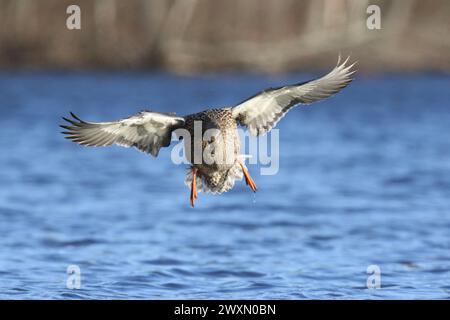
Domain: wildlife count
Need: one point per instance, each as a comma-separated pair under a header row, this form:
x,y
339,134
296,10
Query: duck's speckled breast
x,y
218,142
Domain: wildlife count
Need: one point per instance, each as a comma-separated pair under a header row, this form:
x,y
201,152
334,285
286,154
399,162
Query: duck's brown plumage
x,y
149,131
222,141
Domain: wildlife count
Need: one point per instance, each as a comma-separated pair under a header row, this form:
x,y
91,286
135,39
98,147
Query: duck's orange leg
x,y
248,180
194,186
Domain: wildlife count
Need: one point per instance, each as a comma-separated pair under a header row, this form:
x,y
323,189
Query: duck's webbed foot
x,y
193,186
248,179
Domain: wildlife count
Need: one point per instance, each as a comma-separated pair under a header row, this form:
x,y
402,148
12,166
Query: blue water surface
x,y
364,179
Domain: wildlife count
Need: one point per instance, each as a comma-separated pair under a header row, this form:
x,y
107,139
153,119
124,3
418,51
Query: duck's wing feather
x,y
147,131
261,112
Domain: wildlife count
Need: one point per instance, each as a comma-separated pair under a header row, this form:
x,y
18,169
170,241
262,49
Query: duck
x,y
211,138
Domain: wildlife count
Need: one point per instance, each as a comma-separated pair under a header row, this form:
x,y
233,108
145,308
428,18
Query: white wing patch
x,y
147,131
262,112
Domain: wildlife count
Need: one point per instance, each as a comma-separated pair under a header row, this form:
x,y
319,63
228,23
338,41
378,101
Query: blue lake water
x,y
364,180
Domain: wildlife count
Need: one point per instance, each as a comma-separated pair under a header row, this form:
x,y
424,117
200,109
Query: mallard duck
x,y
149,131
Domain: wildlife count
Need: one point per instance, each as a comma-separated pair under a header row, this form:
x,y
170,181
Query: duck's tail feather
x,y
216,182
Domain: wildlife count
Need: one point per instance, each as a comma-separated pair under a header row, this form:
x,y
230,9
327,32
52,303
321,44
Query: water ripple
x,y
362,182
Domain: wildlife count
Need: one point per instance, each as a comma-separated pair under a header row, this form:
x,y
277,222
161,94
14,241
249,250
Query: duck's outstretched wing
x,y
146,131
261,112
